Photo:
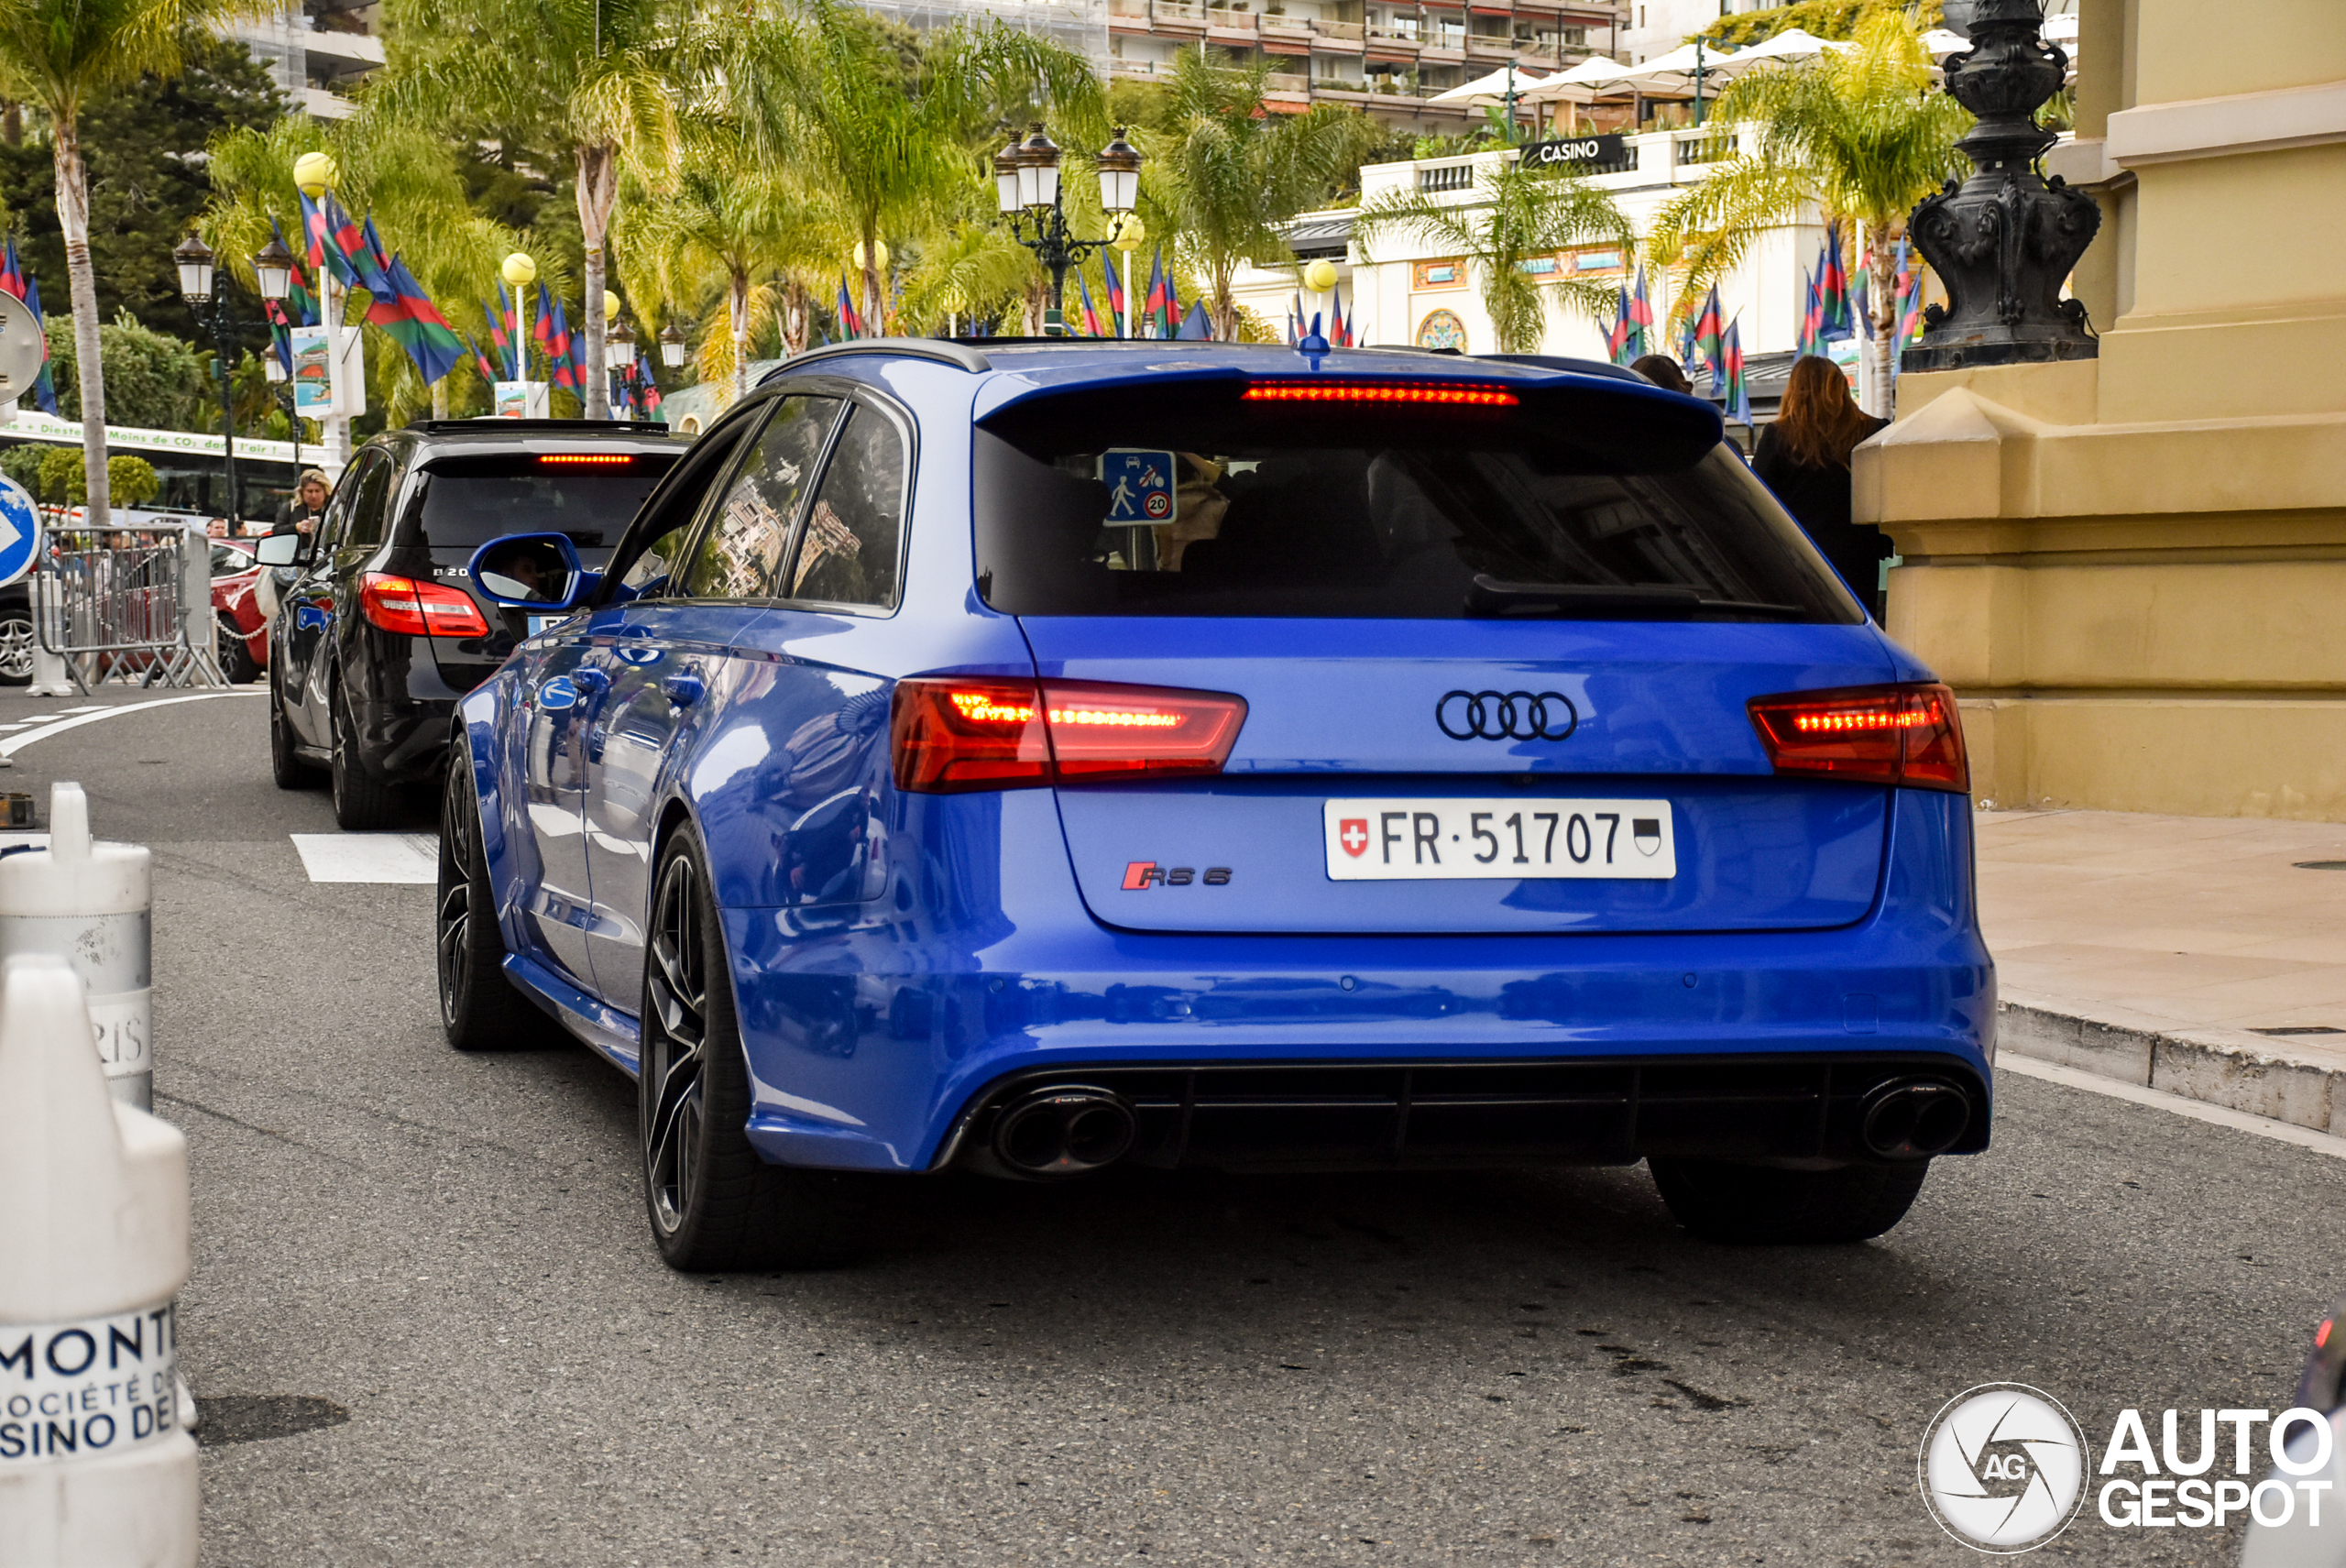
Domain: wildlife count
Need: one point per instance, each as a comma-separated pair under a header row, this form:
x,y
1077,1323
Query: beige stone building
x,y
2134,569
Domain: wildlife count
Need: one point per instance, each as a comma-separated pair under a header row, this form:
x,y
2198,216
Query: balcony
x,y
1349,31
1489,46
1285,82
1447,174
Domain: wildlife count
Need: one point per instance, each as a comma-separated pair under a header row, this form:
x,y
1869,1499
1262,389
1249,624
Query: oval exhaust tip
x,y
1065,1130
1913,1119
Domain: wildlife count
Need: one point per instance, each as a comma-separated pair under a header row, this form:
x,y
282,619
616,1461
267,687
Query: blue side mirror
x,y
538,572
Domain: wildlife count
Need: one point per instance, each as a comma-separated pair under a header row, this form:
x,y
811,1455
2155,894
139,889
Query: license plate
x,y
1452,841
540,622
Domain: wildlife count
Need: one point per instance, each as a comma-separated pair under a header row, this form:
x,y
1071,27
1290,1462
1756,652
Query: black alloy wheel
x,y
479,1008
362,802
713,1203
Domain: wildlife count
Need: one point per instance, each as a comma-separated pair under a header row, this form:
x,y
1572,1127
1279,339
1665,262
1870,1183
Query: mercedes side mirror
x,y
537,572
280,549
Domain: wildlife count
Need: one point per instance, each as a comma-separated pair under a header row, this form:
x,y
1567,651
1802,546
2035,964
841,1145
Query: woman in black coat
x,y
1803,457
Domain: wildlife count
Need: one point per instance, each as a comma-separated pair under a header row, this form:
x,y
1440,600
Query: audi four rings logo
x,y
1507,715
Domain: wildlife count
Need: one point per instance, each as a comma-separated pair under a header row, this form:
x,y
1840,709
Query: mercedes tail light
x,y
1908,734
413,609
949,735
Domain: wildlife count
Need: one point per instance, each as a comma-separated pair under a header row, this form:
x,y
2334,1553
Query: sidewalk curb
x,y
2280,1079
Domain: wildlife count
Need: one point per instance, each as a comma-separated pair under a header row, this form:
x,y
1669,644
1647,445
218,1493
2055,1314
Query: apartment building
x,y
1386,58
315,50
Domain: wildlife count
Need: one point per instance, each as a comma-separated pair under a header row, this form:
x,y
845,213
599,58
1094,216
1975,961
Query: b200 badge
x,y
1142,875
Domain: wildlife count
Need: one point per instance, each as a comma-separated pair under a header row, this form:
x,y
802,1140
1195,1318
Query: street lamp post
x,y
672,346
1026,188
619,348
199,279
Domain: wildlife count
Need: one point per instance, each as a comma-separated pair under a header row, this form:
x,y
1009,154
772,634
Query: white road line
x,y
2159,1100
413,859
10,747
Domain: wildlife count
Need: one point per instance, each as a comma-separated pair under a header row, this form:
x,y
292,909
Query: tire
x,y
236,660
285,764
15,648
714,1204
1748,1204
479,1008
362,802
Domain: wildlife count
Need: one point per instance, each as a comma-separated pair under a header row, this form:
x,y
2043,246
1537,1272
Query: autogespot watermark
x,y
2005,1468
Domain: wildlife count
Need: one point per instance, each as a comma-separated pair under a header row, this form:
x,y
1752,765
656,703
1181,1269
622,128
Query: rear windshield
x,y
465,502
1198,504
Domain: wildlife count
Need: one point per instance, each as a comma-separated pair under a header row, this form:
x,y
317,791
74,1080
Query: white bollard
x,y
97,1470
92,904
51,677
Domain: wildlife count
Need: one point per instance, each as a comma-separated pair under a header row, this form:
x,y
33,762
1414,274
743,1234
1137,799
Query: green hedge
x,y
1826,18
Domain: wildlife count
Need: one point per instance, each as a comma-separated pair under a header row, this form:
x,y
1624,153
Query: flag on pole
x,y
652,399
1832,289
1739,396
1908,313
1091,316
1859,306
500,337
1710,338
1115,297
325,257
1805,341
1156,310
1641,321
1617,336
1343,338
488,371
21,284
850,320
1195,327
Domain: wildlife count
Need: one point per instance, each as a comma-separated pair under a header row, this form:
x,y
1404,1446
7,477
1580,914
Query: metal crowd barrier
x,y
128,604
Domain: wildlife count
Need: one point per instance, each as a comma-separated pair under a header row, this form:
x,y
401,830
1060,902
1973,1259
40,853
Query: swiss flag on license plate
x,y
1353,833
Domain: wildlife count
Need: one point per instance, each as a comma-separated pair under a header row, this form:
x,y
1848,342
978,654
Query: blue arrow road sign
x,y
19,531
1140,486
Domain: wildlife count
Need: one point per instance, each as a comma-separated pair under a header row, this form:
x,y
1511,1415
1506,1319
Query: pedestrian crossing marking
x,y
411,858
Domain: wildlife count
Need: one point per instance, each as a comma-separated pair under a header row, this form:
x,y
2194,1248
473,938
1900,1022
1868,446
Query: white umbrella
x,y
1583,82
1792,43
1674,72
1491,89
2062,29
1942,43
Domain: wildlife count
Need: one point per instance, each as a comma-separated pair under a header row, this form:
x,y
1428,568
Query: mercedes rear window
x,y
1576,503
465,502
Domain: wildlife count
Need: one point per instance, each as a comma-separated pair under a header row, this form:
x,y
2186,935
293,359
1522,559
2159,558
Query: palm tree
x,y
612,83
1862,134
732,227
889,141
1516,216
1229,173
60,54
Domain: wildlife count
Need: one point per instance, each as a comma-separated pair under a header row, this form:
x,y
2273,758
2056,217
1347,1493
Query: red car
x,y
244,630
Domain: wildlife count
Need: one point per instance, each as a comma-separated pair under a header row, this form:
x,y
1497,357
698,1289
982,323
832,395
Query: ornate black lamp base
x,y
2004,240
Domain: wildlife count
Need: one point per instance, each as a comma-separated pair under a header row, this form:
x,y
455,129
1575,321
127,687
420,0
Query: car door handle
x,y
682,689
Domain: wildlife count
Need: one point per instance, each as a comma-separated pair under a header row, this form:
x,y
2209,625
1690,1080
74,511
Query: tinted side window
x,y
847,550
336,523
740,551
373,506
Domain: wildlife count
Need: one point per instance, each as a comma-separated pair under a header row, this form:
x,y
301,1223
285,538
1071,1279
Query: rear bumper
x,y
878,1038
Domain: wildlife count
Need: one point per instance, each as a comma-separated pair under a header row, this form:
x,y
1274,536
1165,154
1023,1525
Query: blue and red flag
x,y
1116,298
1805,342
1156,310
500,337
851,319
1195,326
488,371
20,283
1910,303
1640,320
650,387
1860,291
1341,335
1091,316
332,240
1617,336
1710,337
1832,289
1739,395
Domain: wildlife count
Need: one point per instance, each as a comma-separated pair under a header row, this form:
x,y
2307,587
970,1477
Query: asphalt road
x,y
428,1326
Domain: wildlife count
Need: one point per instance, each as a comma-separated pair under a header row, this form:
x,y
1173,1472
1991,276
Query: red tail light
x,y
1908,734
412,609
949,736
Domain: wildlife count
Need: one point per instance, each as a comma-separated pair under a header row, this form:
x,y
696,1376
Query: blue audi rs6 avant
x,y
1045,756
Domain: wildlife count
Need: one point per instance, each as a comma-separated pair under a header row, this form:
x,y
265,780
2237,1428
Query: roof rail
x,y
943,351
1577,367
